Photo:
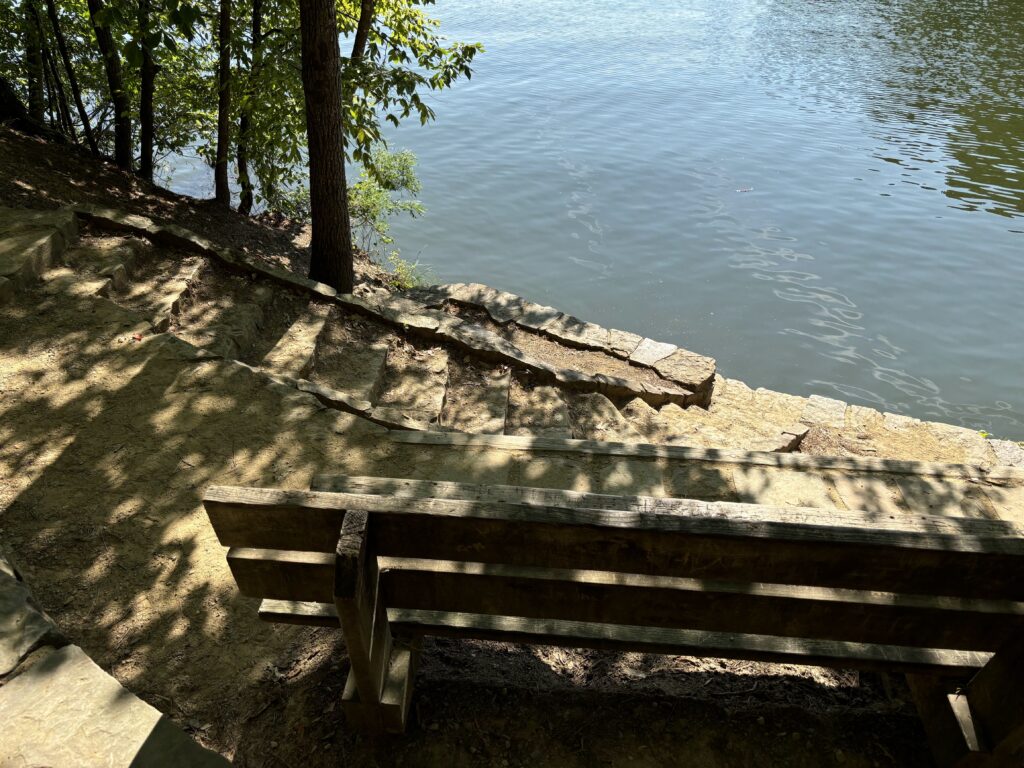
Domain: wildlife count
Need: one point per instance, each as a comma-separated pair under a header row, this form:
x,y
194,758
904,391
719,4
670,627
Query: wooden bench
x,y
394,560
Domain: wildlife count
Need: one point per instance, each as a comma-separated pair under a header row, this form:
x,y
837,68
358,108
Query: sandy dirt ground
x,y
106,445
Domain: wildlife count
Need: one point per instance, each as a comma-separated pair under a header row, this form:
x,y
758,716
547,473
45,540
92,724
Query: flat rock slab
x,y
13,220
824,411
693,371
23,628
577,333
1008,453
66,711
649,351
623,343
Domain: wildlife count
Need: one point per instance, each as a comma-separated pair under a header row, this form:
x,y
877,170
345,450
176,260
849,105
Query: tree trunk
x,y
34,65
222,192
245,120
63,110
147,86
331,249
366,13
118,97
14,114
76,92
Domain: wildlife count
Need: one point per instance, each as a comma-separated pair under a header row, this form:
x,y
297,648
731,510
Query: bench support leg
x,y
954,732
364,622
395,697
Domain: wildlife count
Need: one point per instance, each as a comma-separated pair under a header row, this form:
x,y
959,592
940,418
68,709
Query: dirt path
x,y
106,444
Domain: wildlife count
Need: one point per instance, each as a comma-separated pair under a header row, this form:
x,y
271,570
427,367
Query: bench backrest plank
x,y
740,542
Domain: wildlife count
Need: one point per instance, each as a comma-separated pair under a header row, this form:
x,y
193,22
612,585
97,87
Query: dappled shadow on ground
x,y
107,446
36,174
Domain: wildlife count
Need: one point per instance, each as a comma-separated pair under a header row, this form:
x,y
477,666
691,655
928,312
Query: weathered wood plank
x,y
393,708
996,694
362,616
953,741
654,640
677,603
702,539
297,612
643,450
574,634
283,574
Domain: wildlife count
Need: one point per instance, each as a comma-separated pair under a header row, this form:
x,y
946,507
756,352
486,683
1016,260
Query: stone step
x,y
350,357
536,410
30,243
701,428
222,312
593,416
158,288
107,264
477,398
414,385
295,350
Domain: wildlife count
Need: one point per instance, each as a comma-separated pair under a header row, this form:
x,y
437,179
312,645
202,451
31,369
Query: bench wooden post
x,y
996,694
363,621
379,685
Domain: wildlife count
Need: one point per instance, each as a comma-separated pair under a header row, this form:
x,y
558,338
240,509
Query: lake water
x,y
827,197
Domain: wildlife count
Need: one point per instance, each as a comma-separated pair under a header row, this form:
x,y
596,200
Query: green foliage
x,y
407,274
405,57
380,194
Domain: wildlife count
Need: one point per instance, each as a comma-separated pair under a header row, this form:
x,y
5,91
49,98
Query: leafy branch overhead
x,y
402,57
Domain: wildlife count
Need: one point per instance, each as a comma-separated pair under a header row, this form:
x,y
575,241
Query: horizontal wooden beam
x,y
681,603
723,456
297,612
281,574
574,634
740,542
651,639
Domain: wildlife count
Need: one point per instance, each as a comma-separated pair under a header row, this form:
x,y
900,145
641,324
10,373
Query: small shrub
x,y
407,274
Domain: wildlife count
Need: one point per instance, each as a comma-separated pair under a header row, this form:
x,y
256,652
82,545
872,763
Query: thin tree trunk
x,y
366,13
76,92
63,109
331,249
222,193
51,108
147,86
245,120
34,65
118,97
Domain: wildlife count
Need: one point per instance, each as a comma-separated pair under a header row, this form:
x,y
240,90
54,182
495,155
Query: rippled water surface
x,y
828,197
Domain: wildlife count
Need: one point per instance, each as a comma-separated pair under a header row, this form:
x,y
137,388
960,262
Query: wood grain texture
x,y
742,542
683,642
678,603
